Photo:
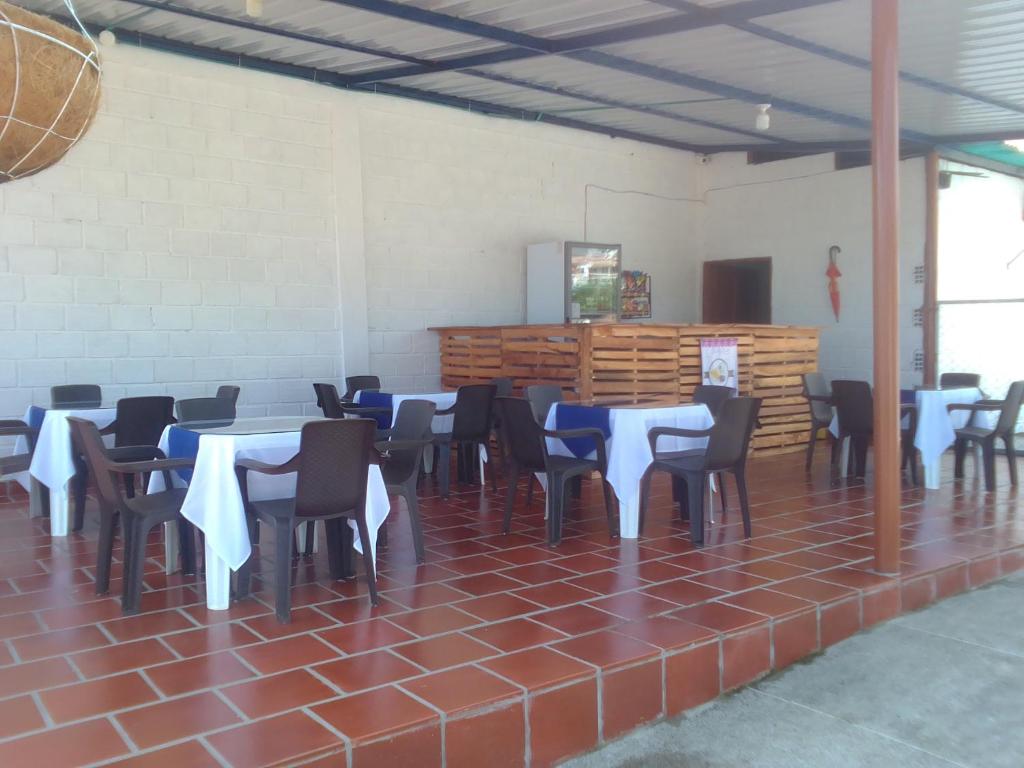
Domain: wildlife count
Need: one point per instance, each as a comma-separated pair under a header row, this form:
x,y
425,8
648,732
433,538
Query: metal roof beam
x,y
526,46
846,58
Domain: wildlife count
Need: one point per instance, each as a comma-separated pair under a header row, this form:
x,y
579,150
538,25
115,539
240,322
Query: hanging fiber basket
x,y
49,90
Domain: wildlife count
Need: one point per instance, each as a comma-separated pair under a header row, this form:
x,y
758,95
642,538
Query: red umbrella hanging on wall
x,y
833,275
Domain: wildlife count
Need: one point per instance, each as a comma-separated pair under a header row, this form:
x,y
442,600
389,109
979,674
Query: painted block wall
x,y
793,211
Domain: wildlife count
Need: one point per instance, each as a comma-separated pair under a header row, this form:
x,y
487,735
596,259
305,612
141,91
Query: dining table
x,y
213,502
629,453
53,463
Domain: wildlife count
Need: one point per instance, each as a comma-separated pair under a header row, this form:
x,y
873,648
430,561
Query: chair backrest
x,y
503,386
141,420
334,460
327,400
355,384
86,438
18,428
855,406
712,396
730,436
229,392
76,396
473,406
412,422
1008,416
523,433
815,385
959,380
205,409
541,397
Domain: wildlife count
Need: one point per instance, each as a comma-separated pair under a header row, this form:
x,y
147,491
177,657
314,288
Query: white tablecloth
x,y
214,501
936,427
629,453
52,464
443,401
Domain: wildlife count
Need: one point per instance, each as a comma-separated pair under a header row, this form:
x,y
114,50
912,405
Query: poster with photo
x,y
636,295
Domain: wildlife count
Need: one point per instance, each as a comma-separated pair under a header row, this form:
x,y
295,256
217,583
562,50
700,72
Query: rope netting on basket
x,y
49,89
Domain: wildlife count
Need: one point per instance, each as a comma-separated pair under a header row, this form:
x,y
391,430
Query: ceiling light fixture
x,y
254,8
764,120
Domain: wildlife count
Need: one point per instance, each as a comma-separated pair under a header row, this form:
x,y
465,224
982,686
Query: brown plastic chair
x,y
205,411
334,407
229,392
139,515
76,396
17,462
711,396
137,427
819,402
855,412
332,467
541,398
471,428
402,457
726,451
959,380
528,453
1006,426
355,384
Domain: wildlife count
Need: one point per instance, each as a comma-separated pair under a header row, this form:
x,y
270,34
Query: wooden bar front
x,y
642,363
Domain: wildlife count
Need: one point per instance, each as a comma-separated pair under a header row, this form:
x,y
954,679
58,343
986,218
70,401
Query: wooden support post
x,y
885,151
931,265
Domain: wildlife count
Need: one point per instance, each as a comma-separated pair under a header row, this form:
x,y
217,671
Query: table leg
x,y
300,537
629,516
35,498
428,459
711,500
170,547
933,474
218,582
59,524
844,457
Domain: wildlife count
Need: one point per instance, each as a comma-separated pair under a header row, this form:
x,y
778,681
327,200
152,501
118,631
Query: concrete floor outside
x,y
938,688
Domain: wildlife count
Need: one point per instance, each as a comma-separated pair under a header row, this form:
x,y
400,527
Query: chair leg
x,y
187,547
132,593
512,471
333,540
493,470
413,505
1011,456
860,449
444,468
606,489
959,453
283,542
645,498
741,489
243,581
105,552
988,453
556,500
577,486
307,549
129,486
721,488
371,574
81,485
529,488
811,443
696,486
346,536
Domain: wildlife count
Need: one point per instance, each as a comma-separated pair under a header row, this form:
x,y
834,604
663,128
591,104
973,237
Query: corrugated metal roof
x,y
694,87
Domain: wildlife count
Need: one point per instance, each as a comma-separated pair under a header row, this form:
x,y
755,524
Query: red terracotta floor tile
x,y
692,677
539,573
630,697
555,594
610,582
217,637
83,700
370,715
121,657
25,678
58,642
73,745
745,657
147,625
666,632
553,736
794,637
366,635
190,753
425,595
773,570
586,563
498,607
20,624
515,634
537,668
500,734
176,719
684,592
444,651
359,608
484,584
278,693
724,618
367,670
19,715
197,673
768,603
303,620
282,739
288,653
434,621
607,649
812,589
463,688
420,747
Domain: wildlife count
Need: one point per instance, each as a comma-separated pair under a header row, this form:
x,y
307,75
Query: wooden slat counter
x,y
642,363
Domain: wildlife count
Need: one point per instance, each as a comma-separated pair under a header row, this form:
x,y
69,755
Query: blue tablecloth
x,y
908,397
182,444
579,417
378,400
36,416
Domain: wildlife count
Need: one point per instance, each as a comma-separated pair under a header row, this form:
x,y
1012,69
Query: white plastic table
x,y
52,464
629,453
214,502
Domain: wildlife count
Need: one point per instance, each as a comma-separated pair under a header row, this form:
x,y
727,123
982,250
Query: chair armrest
x,y
907,408
992,405
13,427
820,398
990,402
446,412
135,453
252,465
400,445
655,432
594,432
158,465
110,429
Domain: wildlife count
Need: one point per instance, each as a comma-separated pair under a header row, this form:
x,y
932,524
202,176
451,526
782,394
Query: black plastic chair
x,y
137,427
205,411
711,396
855,412
959,380
76,396
139,515
354,384
541,397
229,392
1006,426
471,428
819,402
503,387
402,457
334,407
528,452
17,462
332,466
726,451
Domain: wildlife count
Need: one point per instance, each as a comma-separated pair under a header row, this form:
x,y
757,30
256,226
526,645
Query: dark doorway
x,y
738,291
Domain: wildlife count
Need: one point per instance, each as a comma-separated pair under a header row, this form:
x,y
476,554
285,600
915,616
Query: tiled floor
x,y
499,651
